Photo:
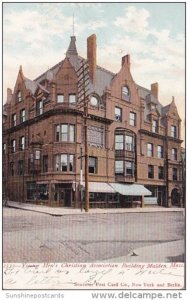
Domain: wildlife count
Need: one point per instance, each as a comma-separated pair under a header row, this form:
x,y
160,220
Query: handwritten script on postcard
x,y
93,276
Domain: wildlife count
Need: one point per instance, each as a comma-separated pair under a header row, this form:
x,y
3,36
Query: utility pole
x,y
83,98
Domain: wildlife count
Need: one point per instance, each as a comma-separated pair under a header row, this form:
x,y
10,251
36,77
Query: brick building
x,y
134,143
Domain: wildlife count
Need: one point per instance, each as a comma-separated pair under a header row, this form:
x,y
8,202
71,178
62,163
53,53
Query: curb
x,y
137,210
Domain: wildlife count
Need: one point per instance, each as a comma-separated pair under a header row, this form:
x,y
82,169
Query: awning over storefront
x,y
100,187
130,189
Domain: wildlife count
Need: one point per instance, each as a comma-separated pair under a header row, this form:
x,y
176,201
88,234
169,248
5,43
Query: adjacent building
x,y
134,142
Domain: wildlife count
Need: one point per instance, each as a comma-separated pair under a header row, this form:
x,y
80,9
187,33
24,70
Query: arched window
x,y
94,101
125,93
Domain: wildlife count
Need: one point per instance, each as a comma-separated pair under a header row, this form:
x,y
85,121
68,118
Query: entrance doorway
x,y
175,197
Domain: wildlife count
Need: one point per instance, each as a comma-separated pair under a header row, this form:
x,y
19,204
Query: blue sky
x,y
36,36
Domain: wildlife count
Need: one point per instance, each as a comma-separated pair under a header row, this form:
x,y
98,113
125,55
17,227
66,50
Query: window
x,y
64,162
118,114
174,154
65,133
125,93
71,133
13,120
129,143
161,172
150,171
4,148
12,168
149,149
160,151
119,167
93,165
94,101
72,98
39,107
13,146
71,162
22,143
60,98
173,131
19,96
154,126
132,119
45,163
129,168
174,174
119,142
20,167
22,115
37,154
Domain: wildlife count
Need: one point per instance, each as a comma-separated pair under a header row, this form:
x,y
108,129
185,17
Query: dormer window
x,y
39,107
125,93
153,107
19,96
155,126
94,101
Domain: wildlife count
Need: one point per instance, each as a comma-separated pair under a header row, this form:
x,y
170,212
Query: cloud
x,y
135,20
37,38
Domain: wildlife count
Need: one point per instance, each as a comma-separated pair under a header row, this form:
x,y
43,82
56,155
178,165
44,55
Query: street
x,y
37,237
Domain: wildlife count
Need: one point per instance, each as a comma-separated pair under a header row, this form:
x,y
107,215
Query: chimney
x,y
9,95
126,60
91,56
154,89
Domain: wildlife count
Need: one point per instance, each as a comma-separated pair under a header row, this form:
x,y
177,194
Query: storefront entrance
x,y
63,194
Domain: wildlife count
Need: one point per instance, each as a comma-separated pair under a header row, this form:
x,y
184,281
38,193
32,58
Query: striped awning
x,y
130,189
100,187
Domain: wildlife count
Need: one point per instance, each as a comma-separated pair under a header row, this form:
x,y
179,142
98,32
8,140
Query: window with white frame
x,y
125,93
37,154
72,98
19,96
129,168
160,151
22,143
149,149
119,167
92,164
39,107
65,133
65,162
129,143
60,98
132,119
155,126
119,142
173,131
118,114
174,154
22,115
13,120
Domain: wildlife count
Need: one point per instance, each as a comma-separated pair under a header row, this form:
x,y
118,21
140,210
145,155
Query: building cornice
x,y
157,135
53,112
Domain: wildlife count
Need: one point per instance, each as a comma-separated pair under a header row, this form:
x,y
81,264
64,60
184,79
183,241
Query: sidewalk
x,y
163,252
61,211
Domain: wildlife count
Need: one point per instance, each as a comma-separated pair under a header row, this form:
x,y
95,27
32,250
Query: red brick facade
x,y
132,138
